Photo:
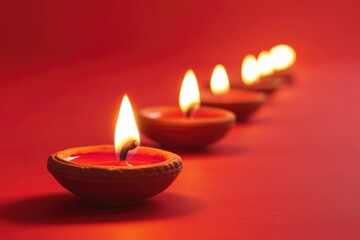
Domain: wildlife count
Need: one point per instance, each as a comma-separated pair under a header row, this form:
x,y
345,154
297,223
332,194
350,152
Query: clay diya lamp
x,y
118,175
241,102
282,59
267,71
189,128
252,80
275,65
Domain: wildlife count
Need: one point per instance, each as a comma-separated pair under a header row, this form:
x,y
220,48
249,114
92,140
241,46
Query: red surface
x,y
291,173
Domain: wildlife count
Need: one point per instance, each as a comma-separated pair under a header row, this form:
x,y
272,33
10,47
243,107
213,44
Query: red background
x,y
290,173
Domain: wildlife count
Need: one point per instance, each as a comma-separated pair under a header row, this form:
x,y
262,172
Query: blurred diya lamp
x,y
282,58
118,175
189,127
241,102
252,80
269,71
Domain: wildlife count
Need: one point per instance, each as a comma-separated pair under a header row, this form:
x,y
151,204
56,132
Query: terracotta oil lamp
x,y
189,127
252,80
282,59
269,71
116,175
241,102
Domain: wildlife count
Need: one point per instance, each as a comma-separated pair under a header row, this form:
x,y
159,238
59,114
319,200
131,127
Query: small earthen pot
x,y
170,128
115,185
241,102
267,85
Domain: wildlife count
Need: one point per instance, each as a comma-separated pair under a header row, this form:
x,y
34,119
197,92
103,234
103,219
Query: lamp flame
x,y
282,56
250,70
265,63
219,83
189,98
126,132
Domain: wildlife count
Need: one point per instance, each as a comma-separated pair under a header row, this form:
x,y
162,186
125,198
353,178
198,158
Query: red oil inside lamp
x,y
191,126
116,175
241,102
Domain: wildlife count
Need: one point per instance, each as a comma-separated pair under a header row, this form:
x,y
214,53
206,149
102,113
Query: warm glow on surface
x,y
282,56
219,83
265,64
189,99
126,129
250,70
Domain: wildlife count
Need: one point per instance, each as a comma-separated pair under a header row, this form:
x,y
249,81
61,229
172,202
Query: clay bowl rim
x,y
261,85
58,165
225,116
210,98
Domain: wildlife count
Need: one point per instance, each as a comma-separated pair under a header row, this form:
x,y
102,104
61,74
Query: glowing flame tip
x,y
189,98
126,132
219,83
265,63
283,56
250,70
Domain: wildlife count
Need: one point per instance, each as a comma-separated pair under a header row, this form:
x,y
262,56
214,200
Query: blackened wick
x,y
129,145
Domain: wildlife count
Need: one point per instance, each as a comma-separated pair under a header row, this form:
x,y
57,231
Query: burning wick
x,y
191,110
189,97
129,145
